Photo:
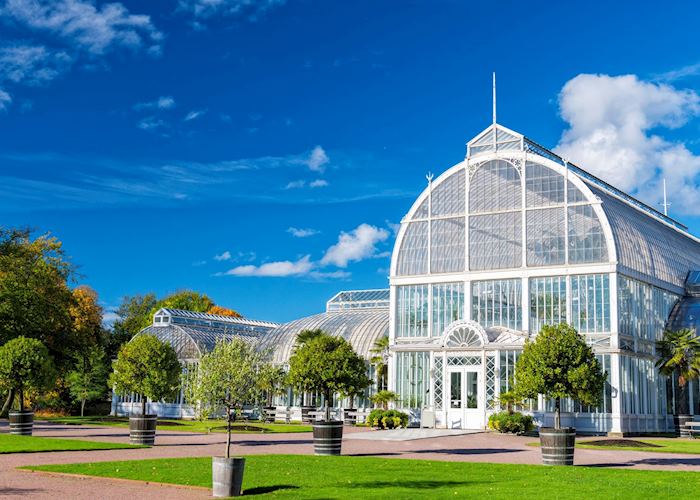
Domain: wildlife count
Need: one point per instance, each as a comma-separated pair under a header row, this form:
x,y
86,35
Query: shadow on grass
x,y
416,485
469,451
262,490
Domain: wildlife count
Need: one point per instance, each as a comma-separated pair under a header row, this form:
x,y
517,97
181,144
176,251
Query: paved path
x,y
480,447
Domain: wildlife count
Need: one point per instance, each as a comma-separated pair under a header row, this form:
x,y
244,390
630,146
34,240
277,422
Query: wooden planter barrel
x,y
349,419
679,422
306,418
21,422
227,476
142,429
557,445
328,437
269,413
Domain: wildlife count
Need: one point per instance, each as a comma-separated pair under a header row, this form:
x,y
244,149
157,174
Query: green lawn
x,y
678,445
367,477
188,425
29,444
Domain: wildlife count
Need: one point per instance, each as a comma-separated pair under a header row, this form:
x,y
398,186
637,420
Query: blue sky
x,y
288,138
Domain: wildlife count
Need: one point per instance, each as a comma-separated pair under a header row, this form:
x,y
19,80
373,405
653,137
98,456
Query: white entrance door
x,y
465,404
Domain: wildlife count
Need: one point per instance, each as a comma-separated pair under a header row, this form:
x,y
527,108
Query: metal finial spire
x,y
665,204
430,177
494,98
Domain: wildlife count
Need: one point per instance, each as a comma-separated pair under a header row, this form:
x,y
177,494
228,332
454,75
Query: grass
x,y
31,444
676,445
205,426
368,477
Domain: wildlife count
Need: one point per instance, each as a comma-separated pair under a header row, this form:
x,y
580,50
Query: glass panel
x,y
495,186
543,186
472,390
412,378
586,238
495,241
546,238
574,194
456,390
447,245
448,306
497,303
413,256
448,196
412,311
547,302
590,303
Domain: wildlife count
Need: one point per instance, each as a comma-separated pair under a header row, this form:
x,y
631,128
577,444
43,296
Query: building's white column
x,y
525,304
615,381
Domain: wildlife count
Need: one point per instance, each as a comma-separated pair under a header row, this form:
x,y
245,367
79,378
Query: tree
x,y
88,380
328,365
134,315
34,294
148,367
25,364
559,364
226,377
380,349
86,315
188,300
679,356
383,398
305,336
223,311
271,381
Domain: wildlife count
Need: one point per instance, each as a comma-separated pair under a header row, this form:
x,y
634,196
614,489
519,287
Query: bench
x,y
692,428
271,415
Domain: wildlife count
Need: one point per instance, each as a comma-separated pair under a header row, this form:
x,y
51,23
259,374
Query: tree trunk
x,y
21,400
328,405
143,405
82,408
557,413
352,401
8,403
228,432
682,406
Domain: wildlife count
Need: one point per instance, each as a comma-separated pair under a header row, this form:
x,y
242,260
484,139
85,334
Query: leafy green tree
x,y
380,350
34,294
134,315
88,380
185,299
305,336
559,364
25,364
383,398
148,367
328,365
227,377
679,356
271,381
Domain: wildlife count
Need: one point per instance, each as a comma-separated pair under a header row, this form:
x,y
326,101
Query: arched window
x,y
464,335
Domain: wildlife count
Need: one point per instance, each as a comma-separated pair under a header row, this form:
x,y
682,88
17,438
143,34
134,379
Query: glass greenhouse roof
x,y
692,284
359,299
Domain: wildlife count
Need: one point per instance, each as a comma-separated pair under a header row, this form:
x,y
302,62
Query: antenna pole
x,y
666,204
494,97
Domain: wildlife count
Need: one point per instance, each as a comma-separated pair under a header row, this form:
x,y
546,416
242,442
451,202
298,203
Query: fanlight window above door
x,y
464,335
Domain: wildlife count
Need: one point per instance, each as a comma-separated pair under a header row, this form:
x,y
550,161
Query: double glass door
x,y
466,408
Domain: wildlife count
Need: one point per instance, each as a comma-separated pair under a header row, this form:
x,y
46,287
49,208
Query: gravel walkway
x,y
480,447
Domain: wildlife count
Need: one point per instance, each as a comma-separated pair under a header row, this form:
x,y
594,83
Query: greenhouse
x,y
515,237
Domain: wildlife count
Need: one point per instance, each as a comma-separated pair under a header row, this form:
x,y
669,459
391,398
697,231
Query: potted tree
x,y
226,378
147,367
679,357
25,364
559,364
380,351
328,365
308,399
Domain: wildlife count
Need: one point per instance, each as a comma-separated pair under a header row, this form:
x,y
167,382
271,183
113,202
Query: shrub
x,y
510,423
387,419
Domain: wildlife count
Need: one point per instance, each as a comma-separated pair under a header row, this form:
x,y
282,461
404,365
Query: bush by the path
x,y
387,419
510,423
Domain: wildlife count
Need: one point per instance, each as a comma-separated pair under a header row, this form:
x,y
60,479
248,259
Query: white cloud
x,y
163,102
194,114
224,256
151,123
295,184
679,73
358,244
302,233
318,183
202,9
317,160
611,120
86,26
32,65
5,100
283,268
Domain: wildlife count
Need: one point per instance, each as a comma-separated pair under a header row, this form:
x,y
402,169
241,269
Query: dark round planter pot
x,y
328,437
21,422
227,476
679,422
557,445
305,417
142,429
269,414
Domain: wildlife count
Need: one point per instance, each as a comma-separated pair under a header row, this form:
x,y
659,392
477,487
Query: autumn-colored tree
x,y
223,311
86,314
